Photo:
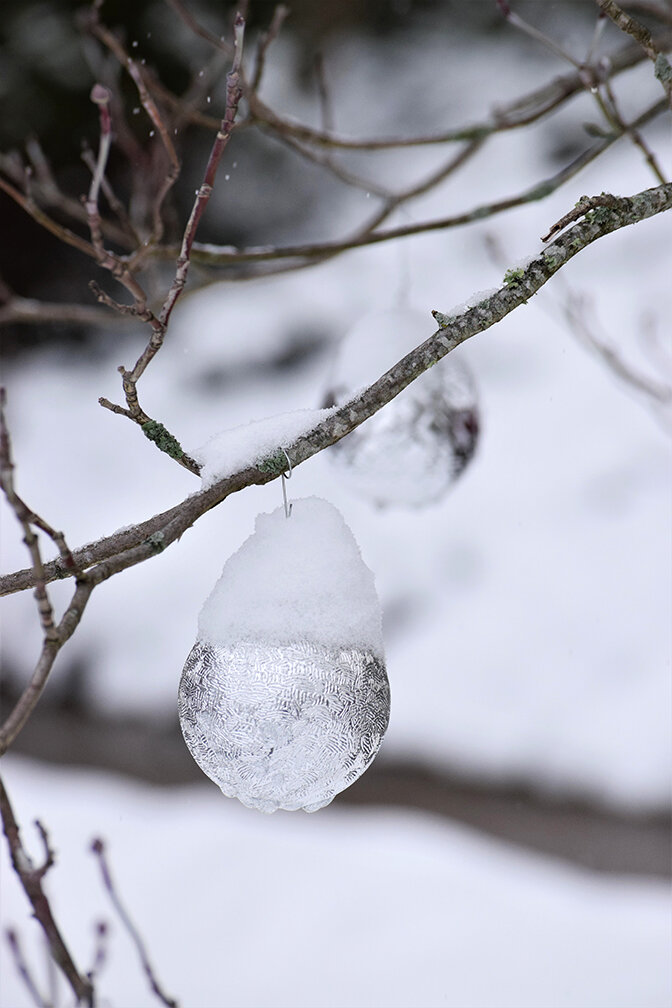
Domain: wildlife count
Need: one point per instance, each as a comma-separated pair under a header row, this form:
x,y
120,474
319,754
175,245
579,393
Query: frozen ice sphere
x,y
284,699
285,726
411,451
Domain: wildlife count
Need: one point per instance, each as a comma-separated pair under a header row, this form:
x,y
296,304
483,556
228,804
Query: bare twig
x,y
61,232
212,255
26,311
194,26
100,96
233,96
23,969
578,310
279,15
638,31
634,134
98,848
135,72
31,881
109,556
102,933
25,518
534,33
154,430
583,205
54,635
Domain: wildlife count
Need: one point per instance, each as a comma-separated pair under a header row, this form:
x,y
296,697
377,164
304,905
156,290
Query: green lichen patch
x,y
156,541
514,276
273,464
163,439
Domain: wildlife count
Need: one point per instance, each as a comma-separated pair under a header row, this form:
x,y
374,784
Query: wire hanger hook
x,y
285,476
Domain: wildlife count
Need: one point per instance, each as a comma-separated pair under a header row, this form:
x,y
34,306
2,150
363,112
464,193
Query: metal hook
x,y
286,476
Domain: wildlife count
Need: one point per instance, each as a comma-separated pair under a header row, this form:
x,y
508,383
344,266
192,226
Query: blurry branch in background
x,y
578,309
31,879
23,969
98,848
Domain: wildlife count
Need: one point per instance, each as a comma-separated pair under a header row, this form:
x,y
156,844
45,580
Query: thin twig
x,y
100,951
634,134
25,519
663,70
233,96
279,15
27,311
31,881
581,208
527,29
54,635
578,310
23,969
98,848
213,256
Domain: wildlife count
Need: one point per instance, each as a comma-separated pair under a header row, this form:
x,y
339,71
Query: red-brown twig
x,y
110,40
233,96
98,848
154,430
100,96
31,880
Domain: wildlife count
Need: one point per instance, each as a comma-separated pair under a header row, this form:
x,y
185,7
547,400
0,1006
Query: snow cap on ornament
x,y
284,699
411,451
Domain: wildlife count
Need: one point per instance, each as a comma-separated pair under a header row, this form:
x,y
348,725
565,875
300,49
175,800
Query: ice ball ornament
x,y
411,451
284,698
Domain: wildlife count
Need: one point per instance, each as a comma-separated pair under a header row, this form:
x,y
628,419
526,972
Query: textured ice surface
x,y
285,726
413,449
284,698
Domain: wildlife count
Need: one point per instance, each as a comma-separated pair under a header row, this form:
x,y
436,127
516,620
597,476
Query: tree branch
x,y
31,881
108,556
98,848
662,68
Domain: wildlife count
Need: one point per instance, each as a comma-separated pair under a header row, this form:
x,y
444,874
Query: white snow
x,y
297,578
344,909
232,450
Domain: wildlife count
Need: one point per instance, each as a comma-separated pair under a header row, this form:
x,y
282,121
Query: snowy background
x,y
525,616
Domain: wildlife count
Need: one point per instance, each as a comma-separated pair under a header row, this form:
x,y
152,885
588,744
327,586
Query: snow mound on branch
x,y
230,451
297,578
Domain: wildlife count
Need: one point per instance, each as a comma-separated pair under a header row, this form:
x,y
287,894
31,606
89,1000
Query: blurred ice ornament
x,y
284,698
415,447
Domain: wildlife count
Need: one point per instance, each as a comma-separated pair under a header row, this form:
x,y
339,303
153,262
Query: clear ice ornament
x,y
284,698
411,452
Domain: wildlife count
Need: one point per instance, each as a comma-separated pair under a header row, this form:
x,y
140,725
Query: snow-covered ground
x,y
341,908
526,623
